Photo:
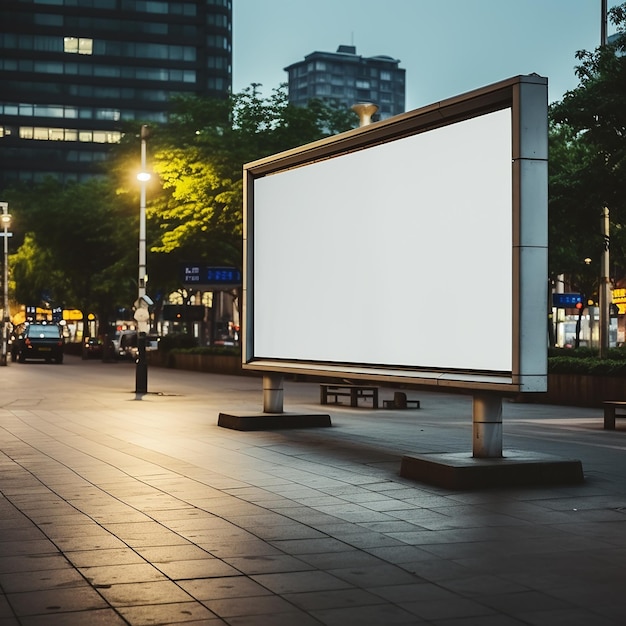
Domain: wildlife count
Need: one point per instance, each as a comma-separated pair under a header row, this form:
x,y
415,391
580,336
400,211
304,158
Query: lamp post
x,y
605,297
6,222
141,306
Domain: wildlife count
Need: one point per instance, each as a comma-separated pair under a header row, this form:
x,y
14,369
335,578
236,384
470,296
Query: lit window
x,y
41,133
78,45
85,46
70,44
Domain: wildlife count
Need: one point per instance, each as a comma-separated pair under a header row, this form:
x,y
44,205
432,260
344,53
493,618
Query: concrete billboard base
x,y
270,421
515,468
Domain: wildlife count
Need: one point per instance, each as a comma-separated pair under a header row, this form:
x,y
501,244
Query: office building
x,y
345,78
74,72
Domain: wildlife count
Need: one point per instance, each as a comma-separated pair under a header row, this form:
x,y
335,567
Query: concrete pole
x,y
605,296
487,426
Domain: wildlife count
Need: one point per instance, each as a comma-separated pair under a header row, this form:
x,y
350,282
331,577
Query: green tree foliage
x,y
78,245
588,160
199,157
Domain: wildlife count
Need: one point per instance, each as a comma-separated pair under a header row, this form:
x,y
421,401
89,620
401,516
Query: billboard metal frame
x,y
526,96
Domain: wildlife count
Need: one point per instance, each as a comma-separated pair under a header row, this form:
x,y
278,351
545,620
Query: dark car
x,y
40,341
92,348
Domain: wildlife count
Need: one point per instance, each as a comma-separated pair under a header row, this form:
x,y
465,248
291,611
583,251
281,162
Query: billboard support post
x,y
487,426
273,393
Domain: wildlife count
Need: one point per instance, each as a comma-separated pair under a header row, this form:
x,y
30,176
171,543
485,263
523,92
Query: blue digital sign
x,y
567,300
210,276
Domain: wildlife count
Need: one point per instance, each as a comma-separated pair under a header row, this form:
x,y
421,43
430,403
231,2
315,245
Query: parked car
x,y
40,341
125,344
92,348
122,340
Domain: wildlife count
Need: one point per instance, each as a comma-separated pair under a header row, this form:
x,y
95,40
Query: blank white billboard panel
x,y
399,254
412,249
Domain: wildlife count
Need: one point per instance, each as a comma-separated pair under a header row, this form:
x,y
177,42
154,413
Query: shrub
x,y
175,341
215,350
593,366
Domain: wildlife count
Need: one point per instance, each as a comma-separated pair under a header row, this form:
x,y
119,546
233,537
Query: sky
x,y
447,47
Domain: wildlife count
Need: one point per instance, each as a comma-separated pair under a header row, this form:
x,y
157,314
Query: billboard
x,y
413,249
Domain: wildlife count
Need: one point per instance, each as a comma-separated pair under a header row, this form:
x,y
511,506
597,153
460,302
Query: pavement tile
x,y
97,617
101,541
228,587
173,613
32,563
372,576
143,593
105,556
294,582
197,568
268,605
169,554
53,601
268,564
370,615
62,577
309,546
106,575
34,547
225,549
278,619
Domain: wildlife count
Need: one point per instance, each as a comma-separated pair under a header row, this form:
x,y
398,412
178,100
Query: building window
x,y
43,133
78,45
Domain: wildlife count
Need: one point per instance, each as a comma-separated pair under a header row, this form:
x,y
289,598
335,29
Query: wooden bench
x,y
610,408
354,392
400,401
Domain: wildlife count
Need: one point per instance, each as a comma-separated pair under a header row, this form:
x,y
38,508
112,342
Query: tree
x,y
199,157
78,246
588,158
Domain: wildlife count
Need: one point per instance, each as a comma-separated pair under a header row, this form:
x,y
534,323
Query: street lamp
x,y
6,222
365,110
141,306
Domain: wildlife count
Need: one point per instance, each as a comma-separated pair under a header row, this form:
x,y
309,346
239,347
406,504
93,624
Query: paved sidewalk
x,y
116,509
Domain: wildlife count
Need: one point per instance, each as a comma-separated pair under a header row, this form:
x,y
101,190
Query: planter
x,y
215,363
582,390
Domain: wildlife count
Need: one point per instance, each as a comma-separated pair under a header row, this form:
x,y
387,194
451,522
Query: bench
x,y
610,408
354,392
400,401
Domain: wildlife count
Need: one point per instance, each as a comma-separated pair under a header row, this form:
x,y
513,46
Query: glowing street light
x,y
141,313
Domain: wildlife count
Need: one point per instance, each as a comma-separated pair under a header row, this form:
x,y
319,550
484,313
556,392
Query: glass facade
x,y
345,78
74,71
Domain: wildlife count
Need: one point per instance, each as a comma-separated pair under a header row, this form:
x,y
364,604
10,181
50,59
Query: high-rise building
x,y
73,71
345,78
